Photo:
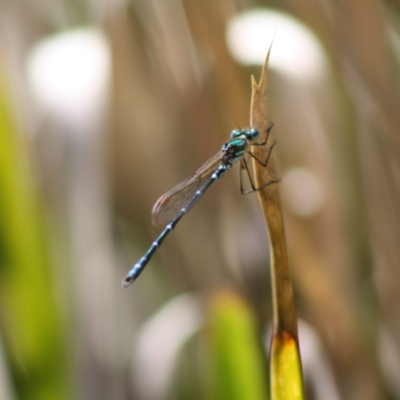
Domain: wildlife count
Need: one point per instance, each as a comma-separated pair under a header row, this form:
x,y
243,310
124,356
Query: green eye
x,y
236,133
252,134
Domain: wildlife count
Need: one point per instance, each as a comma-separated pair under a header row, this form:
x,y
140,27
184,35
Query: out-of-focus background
x,y
105,106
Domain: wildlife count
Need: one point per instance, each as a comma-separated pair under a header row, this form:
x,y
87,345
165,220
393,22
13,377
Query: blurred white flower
x,y
296,50
159,341
69,73
302,192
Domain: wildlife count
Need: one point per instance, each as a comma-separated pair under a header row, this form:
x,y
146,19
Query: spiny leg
x,y
266,138
263,186
253,188
264,164
244,165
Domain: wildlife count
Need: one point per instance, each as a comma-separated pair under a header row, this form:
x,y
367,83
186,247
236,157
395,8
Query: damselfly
x,y
173,205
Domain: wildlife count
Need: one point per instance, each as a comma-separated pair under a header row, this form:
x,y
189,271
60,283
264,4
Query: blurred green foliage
x,y
30,316
239,371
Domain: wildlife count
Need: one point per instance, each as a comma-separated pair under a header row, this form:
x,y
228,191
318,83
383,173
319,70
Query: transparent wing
x,y
170,204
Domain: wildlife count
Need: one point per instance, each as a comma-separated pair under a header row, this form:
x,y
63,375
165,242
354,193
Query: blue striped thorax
x,y
235,148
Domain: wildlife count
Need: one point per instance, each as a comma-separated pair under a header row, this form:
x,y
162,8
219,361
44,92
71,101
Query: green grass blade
x,y
237,354
29,315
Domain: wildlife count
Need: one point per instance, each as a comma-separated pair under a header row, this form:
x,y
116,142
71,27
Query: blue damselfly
x,y
173,205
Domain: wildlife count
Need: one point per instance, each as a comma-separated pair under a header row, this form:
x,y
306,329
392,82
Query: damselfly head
x,y
249,134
